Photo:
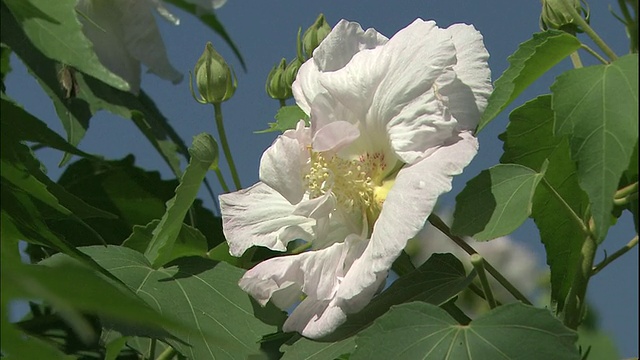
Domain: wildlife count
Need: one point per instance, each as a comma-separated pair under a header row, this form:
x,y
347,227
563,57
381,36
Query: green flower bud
x,y
314,35
291,72
276,85
216,82
557,14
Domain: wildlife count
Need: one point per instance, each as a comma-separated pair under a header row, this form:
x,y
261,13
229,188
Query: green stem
x,y
282,103
575,306
626,191
594,54
576,219
167,354
577,17
152,349
225,145
440,225
223,183
609,259
478,291
575,60
478,263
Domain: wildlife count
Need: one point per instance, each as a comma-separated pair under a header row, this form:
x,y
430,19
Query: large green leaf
x,y
532,59
529,141
436,281
202,294
135,195
495,202
53,28
314,350
597,107
204,153
24,126
93,95
424,331
56,281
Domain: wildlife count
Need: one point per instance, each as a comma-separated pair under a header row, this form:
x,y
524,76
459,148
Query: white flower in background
x,y
124,34
391,124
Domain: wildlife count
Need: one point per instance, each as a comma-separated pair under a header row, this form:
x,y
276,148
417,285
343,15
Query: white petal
x,y
260,216
469,93
344,41
335,136
142,38
283,164
405,211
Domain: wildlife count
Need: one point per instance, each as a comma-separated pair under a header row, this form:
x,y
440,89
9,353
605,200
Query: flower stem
x,y
594,54
478,263
609,259
223,183
167,354
577,17
282,103
440,225
575,306
225,145
575,60
626,194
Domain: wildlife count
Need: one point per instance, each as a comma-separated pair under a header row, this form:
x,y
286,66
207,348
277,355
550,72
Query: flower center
x,y
353,182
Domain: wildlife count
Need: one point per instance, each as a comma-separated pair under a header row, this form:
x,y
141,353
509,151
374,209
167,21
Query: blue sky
x,y
265,31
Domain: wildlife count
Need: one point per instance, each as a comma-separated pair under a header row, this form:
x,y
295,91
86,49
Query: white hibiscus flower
x,y
124,34
391,124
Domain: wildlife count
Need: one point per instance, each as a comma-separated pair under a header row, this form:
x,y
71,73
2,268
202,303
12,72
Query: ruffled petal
x,y
336,50
468,94
405,211
142,38
260,216
283,164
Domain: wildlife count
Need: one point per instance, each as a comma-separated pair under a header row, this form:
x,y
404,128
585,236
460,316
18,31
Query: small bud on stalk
x,y
556,14
215,80
314,35
276,86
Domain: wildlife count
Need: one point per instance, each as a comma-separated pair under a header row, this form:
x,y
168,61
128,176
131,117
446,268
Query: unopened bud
x,y
558,14
314,35
291,72
214,78
276,85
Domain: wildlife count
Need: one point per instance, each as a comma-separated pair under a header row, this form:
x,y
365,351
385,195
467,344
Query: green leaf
x,y
495,202
5,63
211,20
599,344
93,95
190,241
286,118
204,153
134,195
24,126
532,59
597,107
53,28
436,281
56,281
529,141
424,331
202,294
312,350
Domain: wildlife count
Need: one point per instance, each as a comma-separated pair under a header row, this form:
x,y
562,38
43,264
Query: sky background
x,y
265,31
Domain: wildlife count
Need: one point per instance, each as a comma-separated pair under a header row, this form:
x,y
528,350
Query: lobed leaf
x,y
287,118
201,294
424,331
532,59
597,108
496,202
